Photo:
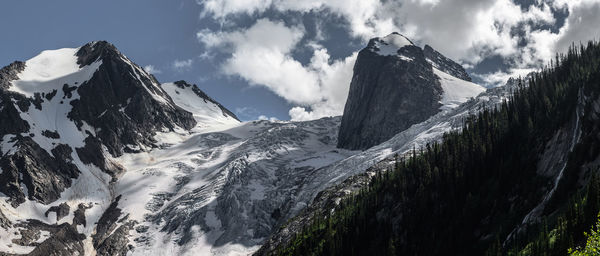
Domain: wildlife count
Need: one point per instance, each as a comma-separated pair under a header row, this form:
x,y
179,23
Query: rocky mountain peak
x,y
68,116
73,108
9,73
95,50
389,45
397,84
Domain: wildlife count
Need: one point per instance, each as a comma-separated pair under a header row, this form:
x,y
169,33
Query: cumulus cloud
x,y
152,70
262,56
363,16
581,25
468,31
263,117
542,44
182,64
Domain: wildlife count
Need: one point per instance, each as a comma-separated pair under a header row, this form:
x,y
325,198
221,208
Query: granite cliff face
x,y
379,159
395,85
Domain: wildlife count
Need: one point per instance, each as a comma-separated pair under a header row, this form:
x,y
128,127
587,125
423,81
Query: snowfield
x,y
456,91
220,188
390,44
217,192
45,73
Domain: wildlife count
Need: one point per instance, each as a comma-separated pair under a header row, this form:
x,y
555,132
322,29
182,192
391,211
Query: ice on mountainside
x,y
456,91
390,92
341,178
222,192
205,110
72,111
390,44
50,70
168,170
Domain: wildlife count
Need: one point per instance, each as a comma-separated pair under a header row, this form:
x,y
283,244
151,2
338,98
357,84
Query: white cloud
x,y
182,64
542,45
263,117
152,70
206,56
467,31
582,24
363,16
262,56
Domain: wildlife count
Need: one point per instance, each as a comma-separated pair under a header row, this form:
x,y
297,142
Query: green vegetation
x,y
465,195
592,247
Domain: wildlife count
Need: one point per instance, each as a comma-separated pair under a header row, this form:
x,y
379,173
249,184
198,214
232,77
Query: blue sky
x,y
150,32
293,59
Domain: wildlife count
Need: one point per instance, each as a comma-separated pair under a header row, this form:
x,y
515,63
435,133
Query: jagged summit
x,y
66,116
92,51
445,64
397,84
392,45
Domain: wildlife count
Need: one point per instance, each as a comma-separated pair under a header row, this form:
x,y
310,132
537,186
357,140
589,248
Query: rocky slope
x,y
156,169
538,194
444,64
381,158
66,114
395,85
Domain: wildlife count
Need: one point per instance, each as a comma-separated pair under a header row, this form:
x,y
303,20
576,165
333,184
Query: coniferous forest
x,y
469,194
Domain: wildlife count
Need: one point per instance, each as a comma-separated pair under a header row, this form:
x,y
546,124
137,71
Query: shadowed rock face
x,y
388,94
44,176
445,64
393,87
120,100
120,108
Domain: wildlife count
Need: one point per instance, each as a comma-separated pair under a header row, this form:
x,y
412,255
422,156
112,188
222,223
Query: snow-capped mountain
x,y
223,192
397,84
67,114
346,177
99,158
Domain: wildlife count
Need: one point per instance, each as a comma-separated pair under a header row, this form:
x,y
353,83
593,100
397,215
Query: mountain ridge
x,y
396,84
72,111
518,178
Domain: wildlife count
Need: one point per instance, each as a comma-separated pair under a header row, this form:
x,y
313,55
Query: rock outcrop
x,y
445,64
65,116
395,85
123,102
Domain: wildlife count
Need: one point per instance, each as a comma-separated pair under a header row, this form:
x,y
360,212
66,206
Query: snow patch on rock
x,y
206,113
390,44
50,70
456,91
